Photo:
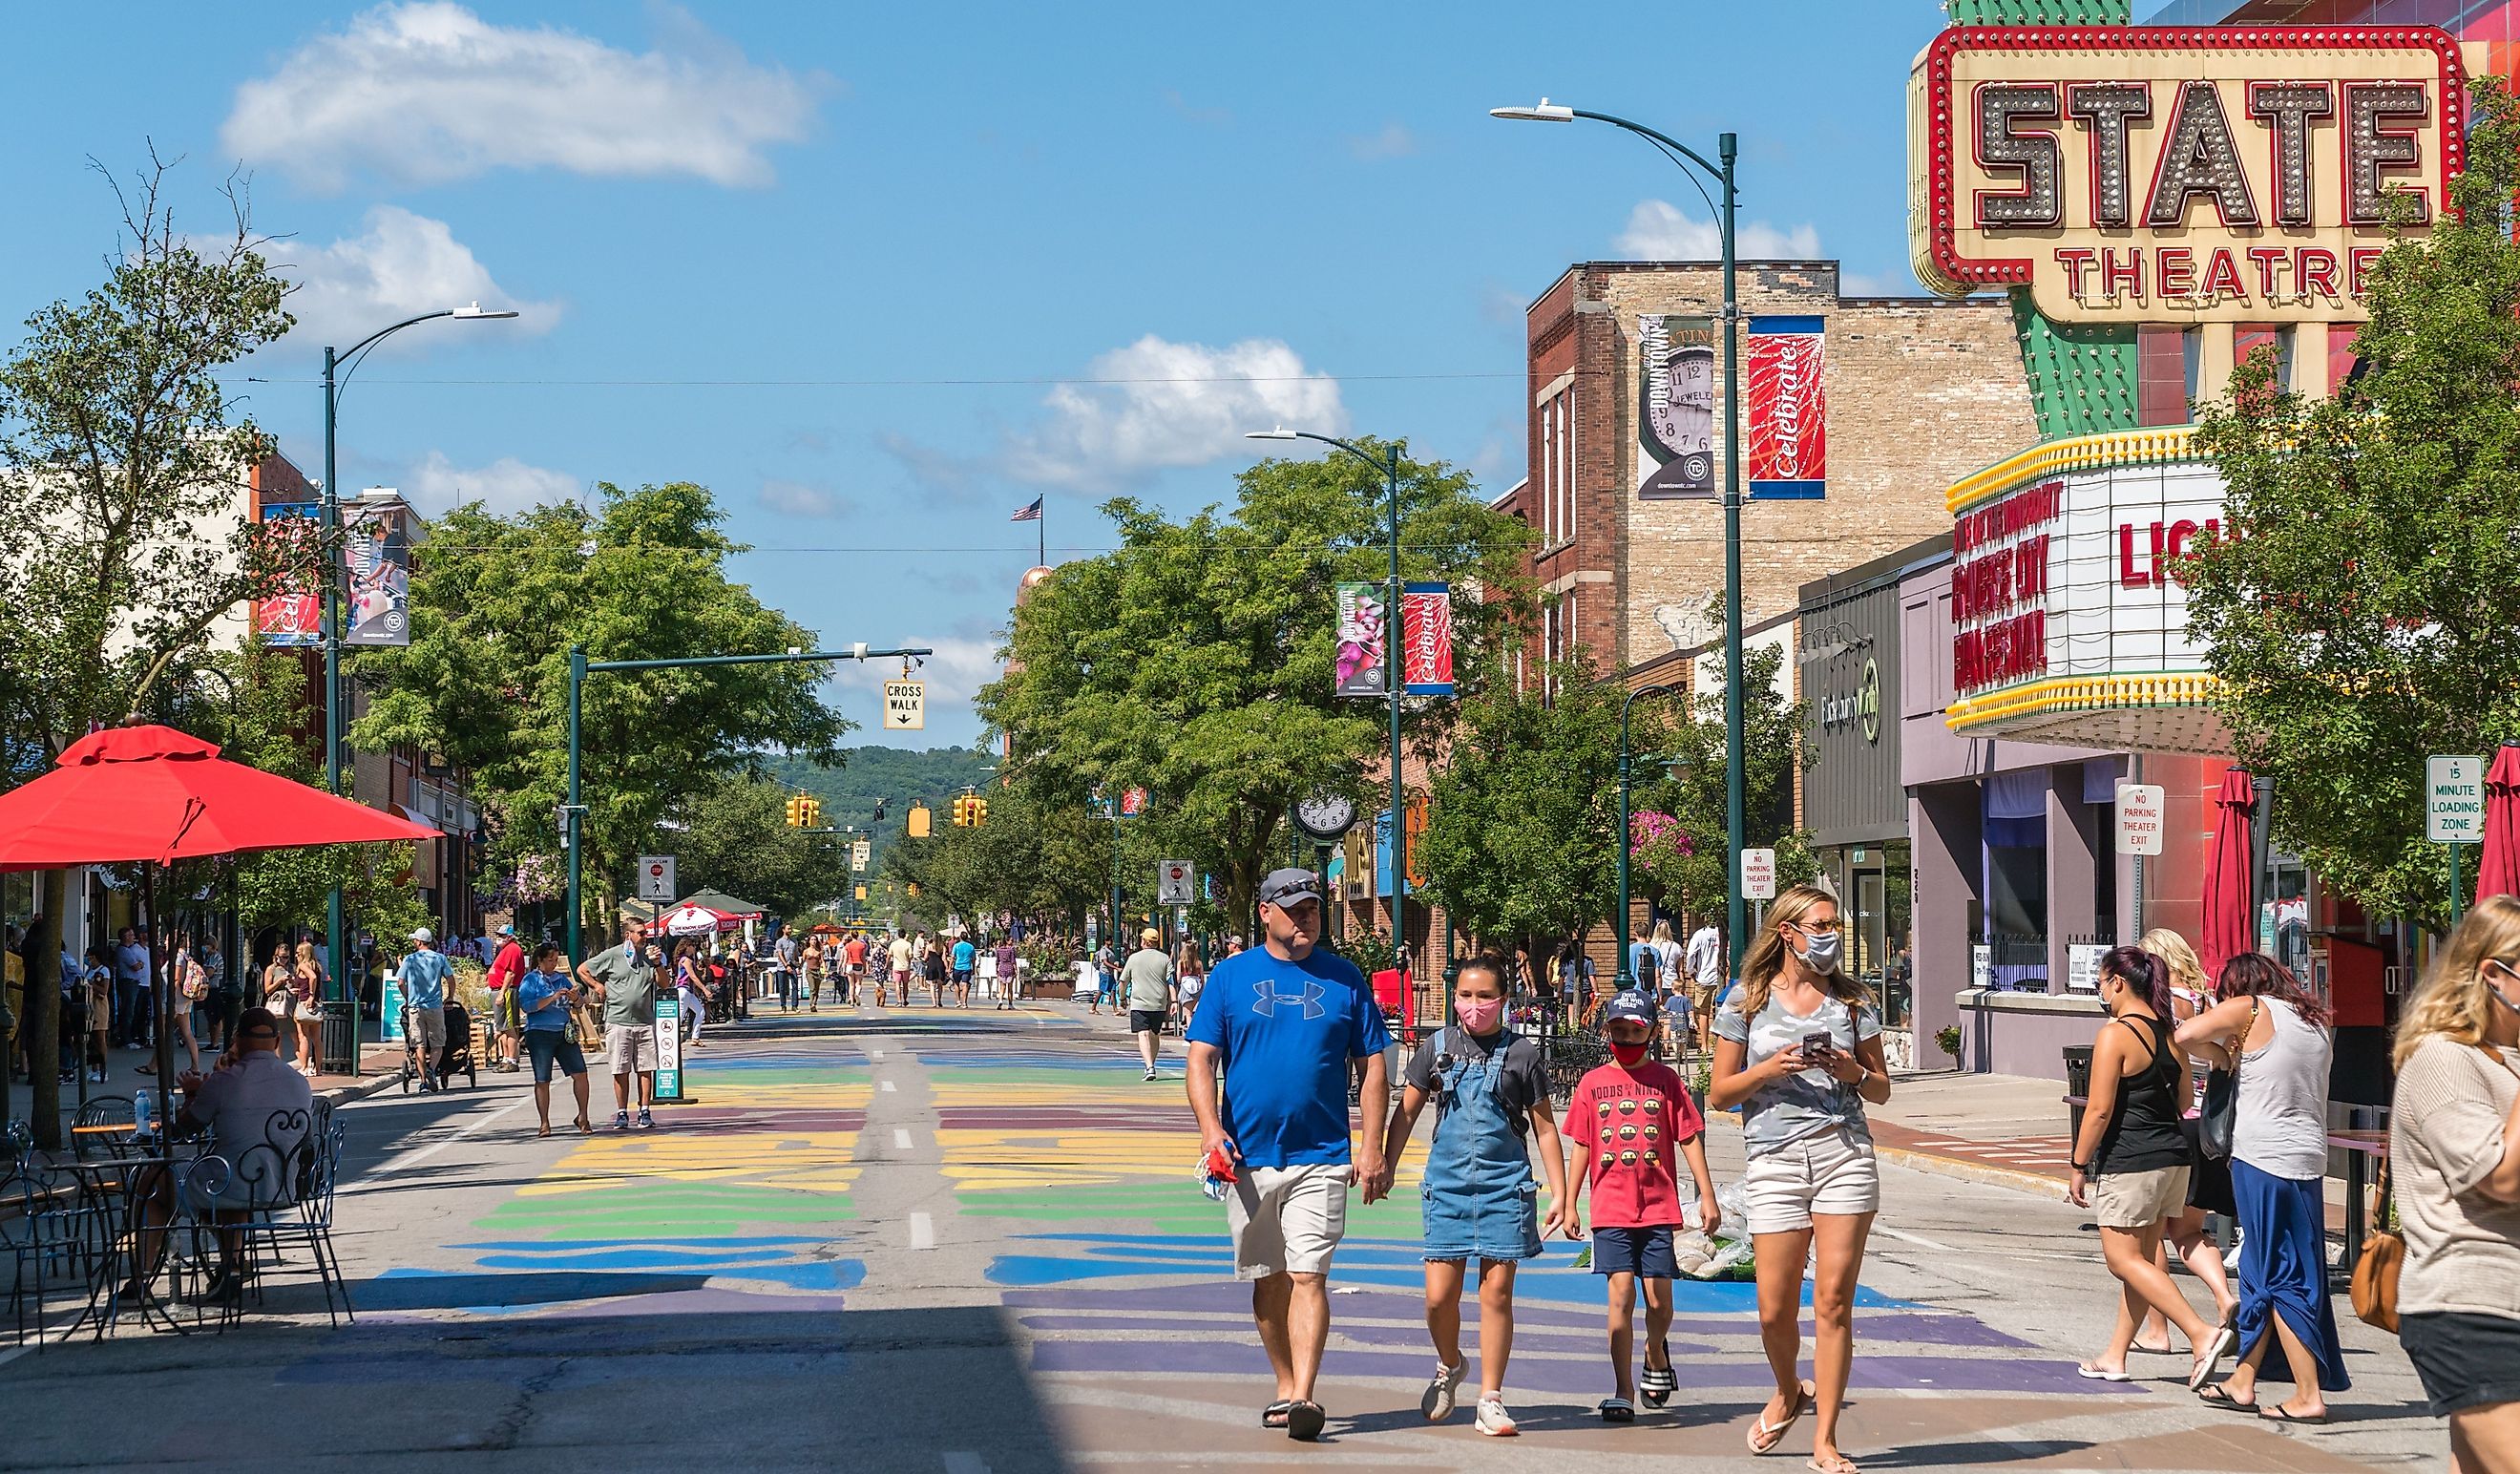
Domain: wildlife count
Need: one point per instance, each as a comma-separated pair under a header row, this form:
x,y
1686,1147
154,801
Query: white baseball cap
x,y
422,935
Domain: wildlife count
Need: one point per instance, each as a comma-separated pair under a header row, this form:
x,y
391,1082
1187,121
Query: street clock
x,y
1326,816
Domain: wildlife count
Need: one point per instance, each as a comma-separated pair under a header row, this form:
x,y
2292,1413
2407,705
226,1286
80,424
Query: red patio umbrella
x,y
154,795
2498,862
2228,876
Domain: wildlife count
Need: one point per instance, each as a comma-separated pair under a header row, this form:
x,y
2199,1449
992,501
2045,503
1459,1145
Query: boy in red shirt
x,y
1630,1119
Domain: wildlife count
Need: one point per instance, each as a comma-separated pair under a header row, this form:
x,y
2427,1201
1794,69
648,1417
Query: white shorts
x,y
1831,1171
1287,1219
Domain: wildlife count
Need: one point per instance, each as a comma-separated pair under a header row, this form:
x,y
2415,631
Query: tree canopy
x,y
2359,605
1197,659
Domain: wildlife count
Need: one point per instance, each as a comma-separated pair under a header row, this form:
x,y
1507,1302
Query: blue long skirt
x,y
2284,1271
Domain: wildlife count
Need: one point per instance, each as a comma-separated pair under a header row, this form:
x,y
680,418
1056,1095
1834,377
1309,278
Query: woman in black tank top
x,y
2130,1160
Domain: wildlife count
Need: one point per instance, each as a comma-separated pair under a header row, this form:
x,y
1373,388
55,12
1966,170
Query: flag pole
x,y
1041,535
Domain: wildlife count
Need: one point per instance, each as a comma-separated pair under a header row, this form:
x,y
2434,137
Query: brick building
x,y
1918,393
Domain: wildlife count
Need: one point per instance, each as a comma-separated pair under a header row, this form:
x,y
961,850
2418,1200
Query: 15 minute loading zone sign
x,y
905,705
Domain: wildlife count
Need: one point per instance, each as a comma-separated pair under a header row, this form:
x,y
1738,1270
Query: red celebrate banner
x,y
1788,432
1426,640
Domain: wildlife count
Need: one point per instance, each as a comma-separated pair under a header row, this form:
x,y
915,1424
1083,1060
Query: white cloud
x,y
505,485
1161,404
427,92
954,675
796,499
1393,142
1658,231
405,264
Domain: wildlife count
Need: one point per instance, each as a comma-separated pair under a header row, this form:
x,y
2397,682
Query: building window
x,y
1566,456
1548,474
2340,353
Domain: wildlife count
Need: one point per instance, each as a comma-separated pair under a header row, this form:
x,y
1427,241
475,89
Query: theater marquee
x,y
2177,173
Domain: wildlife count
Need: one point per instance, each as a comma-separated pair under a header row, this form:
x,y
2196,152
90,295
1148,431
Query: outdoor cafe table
x,y
104,1187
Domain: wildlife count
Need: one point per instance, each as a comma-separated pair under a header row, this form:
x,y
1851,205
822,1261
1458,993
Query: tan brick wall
x,y
1921,393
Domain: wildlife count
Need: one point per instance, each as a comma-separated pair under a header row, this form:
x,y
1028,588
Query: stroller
x,y
458,1057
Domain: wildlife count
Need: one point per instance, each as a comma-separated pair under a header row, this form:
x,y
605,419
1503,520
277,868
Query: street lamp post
x,y
1389,465
1727,150
332,595
1627,973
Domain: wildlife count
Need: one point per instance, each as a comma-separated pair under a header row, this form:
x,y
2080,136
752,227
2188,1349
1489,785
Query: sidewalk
x,y
380,1066
2004,1129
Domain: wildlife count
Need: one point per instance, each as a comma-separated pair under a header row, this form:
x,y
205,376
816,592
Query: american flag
x,y
1031,513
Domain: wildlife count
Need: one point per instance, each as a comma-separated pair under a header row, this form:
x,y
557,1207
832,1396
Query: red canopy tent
x,y
2497,863
2230,876
154,795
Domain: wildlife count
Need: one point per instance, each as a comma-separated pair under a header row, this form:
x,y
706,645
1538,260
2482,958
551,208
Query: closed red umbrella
x,y
2497,863
2228,930
153,793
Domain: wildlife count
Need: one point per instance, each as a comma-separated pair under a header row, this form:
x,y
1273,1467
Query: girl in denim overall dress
x,y
1491,1094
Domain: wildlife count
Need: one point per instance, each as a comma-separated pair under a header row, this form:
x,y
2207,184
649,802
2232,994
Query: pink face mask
x,y
1479,1015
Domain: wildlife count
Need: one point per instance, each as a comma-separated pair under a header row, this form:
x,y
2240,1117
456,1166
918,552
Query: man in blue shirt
x,y
1287,1022
424,990
965,958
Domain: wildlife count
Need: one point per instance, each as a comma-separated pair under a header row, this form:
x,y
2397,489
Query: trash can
x,y
339,1051
2078,1089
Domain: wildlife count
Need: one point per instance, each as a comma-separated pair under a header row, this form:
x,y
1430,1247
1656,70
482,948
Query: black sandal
x,y
1304,1420
1275,1414
2218,1396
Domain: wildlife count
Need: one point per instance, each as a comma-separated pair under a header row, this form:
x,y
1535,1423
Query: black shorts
x,y
2465,1361
1146,1020
1634,1251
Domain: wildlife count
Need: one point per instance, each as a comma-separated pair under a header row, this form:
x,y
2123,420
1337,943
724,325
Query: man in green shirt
x,y
623,979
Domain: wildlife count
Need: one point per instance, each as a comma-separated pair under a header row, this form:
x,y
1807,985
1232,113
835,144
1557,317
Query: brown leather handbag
x,y
2375,1272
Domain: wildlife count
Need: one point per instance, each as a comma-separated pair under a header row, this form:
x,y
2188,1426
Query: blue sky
x,y
855,266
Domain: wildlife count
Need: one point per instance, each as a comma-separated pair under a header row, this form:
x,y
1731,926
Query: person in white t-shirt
x,y
1701,961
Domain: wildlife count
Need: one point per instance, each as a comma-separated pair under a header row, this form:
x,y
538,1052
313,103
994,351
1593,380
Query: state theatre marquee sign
x,y
2241,174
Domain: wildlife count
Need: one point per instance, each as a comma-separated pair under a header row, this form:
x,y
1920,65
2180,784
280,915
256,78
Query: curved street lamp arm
x,y
1352,450
1693,157
383,333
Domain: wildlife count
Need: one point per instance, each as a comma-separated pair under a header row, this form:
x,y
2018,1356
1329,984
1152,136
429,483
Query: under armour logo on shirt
x,y
1266,1000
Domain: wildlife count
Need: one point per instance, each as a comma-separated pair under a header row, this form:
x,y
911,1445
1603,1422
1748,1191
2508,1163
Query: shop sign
x,y
1860,708
2060,579
2179,173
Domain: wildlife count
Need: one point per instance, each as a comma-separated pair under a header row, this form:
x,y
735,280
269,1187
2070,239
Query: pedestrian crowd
x,y
2204,1098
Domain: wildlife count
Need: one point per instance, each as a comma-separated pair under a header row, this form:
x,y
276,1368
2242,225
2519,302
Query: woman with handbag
x,y
2272,1037
2130,1160
2454,1152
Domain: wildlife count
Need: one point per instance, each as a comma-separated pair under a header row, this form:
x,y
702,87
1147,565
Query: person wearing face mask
x,y
1491,1092
2454,1151
1798,1052
2130,1160
1633,1119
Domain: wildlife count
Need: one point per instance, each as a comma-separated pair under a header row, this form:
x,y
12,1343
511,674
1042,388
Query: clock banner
x,y
1787,437
1361,652
1675,407
1426,640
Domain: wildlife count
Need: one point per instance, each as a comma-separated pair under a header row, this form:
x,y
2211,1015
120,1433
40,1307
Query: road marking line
x,y
922,1231
875,1054
887,1085
900,1140
420,1154
1910,1238
961,1462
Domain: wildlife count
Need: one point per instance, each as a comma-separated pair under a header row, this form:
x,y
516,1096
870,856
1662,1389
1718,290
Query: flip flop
x,y
2225,1341
546,1130
1275,1414
2092,1373
1304,1420
1759,1428
2277,1415
1659,1382
1618,1410
1840,1465
2217,1396
585,1128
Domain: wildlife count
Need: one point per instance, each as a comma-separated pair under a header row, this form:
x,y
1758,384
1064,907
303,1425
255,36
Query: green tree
x,y
1521,825
1197,659
733,835
2357,607
123,472
497,602
1688,784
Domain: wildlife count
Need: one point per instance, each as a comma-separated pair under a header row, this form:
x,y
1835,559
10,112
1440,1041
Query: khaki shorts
x,y
1287,1219
427,1028
1702,996
631,1048
1831,1171
2140,1199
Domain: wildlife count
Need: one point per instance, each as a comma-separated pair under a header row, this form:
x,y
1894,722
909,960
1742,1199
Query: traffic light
x,y
920,822
962,811
980,812
796,812
813,808
878,811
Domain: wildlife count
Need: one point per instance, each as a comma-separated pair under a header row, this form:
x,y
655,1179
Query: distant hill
x,y
895,775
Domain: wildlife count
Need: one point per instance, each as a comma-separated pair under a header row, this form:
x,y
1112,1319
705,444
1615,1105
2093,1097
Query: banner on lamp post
x,y
1788,436
294,615
1426,640
1363,626
1675,412
377,548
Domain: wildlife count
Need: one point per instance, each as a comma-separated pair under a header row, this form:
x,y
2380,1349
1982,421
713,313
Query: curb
x,y
1984,1173
344,1094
